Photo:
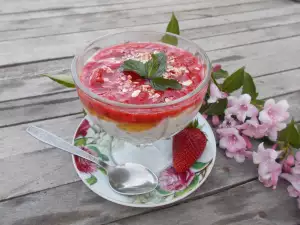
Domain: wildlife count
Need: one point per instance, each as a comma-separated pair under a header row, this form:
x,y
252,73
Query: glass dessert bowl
x,y
127,103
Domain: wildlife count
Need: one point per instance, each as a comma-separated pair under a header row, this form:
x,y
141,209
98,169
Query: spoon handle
x,y
57,142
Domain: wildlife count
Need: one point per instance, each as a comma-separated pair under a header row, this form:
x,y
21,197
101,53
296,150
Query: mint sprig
x,y
153,71
173,27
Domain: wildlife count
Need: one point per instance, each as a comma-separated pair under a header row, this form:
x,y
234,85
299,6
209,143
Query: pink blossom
x,y
296,168
217,67
241,107
288,163
269,172
215,93
228,122
252,128
274,113
294,179
239,155
293,192
263,155
231,140
205,116
170,180
248,142
215,120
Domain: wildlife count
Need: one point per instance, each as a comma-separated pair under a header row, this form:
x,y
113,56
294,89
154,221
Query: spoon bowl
x,y
126,179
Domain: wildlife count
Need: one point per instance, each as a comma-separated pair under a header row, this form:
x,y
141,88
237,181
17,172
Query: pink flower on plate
x,y
82,130
269,172
241,107
231,140
84,165
274,113
170,180
252,128
263,155
215,93
239,155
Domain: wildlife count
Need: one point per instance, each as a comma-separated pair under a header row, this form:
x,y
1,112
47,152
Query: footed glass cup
x,y
142,132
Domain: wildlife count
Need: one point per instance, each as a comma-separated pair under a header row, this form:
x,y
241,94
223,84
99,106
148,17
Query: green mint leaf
x,y
217,108
234,81
249,86
91,180
220,74
162,59
161,84
65,80
173,27
290,135
156,66
135,66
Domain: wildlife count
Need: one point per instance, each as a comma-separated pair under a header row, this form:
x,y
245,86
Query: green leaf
x,y
161,84
192,185
162,192
102,170
199,165
80,142
102,156
258,102
249,86
217,108
135,66
234,81
220,74
290,135
91,180
157,65
65,80
173,27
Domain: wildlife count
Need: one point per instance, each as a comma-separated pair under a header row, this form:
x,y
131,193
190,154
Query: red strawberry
x,y
188,146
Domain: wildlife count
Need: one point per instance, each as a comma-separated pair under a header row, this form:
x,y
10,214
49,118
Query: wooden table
x,y
38,185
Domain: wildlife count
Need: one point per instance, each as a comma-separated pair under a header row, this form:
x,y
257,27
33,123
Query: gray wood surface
x,y
38,184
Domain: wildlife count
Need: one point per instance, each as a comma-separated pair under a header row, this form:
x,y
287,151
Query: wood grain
x,y
61,203
250,203
17,82
95,20
64,45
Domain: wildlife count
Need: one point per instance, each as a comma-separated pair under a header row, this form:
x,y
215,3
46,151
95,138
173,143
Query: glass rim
x,y
87,91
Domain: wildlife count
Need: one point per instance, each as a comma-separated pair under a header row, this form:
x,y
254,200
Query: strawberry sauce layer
x,y
103,76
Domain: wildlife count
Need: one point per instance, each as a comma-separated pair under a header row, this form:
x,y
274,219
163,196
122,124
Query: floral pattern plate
x,y
172,186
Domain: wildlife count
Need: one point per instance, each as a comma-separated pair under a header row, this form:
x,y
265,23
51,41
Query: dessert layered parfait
x,y
142,91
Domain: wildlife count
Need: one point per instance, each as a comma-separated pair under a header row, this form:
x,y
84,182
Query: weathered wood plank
x,y
75,204
18,7
65,45
265,62
100,11
106,20
250,203
65,199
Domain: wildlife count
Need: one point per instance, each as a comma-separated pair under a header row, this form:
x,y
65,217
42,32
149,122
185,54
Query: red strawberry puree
x,y
103,76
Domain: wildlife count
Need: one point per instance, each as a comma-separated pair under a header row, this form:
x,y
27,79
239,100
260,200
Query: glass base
x,y
156,156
